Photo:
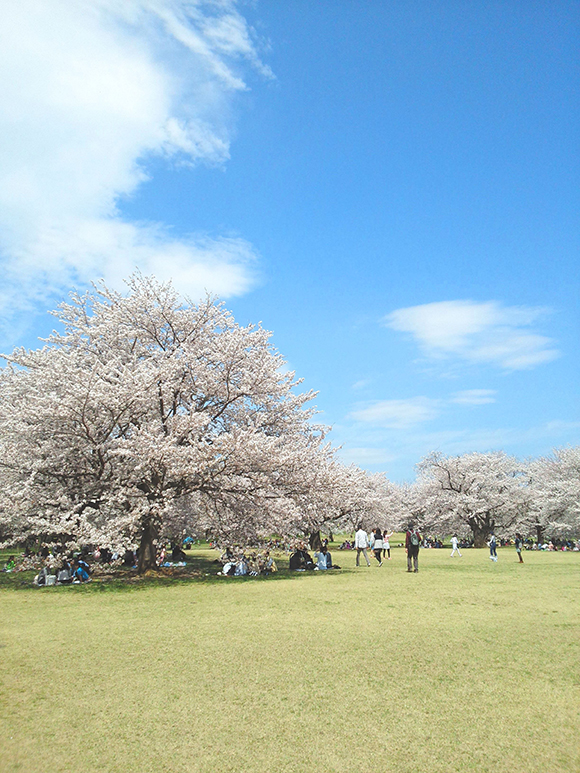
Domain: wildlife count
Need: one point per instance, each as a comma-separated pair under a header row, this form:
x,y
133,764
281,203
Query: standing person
x,y
361,543
519,546
412,544
387,545
492,547
455,546
377,545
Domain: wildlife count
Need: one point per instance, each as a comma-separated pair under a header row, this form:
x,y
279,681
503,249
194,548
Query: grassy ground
x,y
465,666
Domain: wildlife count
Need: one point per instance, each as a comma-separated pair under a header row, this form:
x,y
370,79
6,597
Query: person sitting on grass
x,y
267,564
10,564
40,578
301,560
129,558
65,574
322,559
254,565
82,571
242,567
177,554
227,556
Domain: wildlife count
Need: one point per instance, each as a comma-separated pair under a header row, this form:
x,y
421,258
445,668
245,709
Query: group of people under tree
x,y
70,572
301,560
235,563
57,566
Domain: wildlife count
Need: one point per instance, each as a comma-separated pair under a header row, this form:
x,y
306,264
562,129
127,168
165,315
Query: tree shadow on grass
x,y
198,570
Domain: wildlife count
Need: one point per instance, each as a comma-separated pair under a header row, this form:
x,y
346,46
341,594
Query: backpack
x,y
414,539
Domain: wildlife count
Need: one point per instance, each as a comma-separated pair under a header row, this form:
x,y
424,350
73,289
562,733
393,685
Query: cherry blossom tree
x,y
484,492
555,483
145,400
351,496
411,506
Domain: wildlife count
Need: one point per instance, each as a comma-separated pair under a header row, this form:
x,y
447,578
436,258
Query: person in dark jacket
x,y
519,546
300,560
412,545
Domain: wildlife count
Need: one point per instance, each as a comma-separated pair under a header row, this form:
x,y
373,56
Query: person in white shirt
x,y
387,545
361,543
321,559
454,546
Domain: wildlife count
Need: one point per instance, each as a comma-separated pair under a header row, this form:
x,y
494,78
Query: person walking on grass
x,y
387,545
492,547
361,543
455,546
377,545
412,544
519,546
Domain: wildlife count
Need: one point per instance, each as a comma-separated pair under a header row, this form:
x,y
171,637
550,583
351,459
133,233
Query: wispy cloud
x,y
89,90
474,396
361,384
398,414
365,456
476,332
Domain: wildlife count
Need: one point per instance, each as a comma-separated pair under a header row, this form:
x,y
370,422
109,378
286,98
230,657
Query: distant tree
x,y
411,506
555,484
350,496
484,492
143,402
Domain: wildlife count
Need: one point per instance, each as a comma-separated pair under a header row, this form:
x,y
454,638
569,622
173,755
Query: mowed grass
x,y
465,666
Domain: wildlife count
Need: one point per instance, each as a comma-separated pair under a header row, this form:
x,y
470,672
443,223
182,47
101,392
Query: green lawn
x,y
465,666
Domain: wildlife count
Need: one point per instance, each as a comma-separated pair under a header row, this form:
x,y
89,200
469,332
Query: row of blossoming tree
x,y
477,493
149,418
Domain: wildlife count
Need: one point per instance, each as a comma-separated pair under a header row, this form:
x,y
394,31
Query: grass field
x,y
465,666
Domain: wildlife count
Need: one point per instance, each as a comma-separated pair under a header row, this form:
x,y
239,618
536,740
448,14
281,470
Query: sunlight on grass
x,y
465,666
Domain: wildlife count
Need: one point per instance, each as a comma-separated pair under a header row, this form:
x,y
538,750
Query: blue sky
x,y
390,187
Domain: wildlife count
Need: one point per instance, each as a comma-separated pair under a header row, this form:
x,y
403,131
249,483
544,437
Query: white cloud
x,y
477,332
558,427
365,456
398,414
361,384
474,396
89,89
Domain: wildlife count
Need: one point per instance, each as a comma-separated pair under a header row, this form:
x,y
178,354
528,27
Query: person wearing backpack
x,y
412,544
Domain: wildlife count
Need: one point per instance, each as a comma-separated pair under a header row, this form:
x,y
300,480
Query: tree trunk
x,y
479,536
147,549
540,533
330,537
315,542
